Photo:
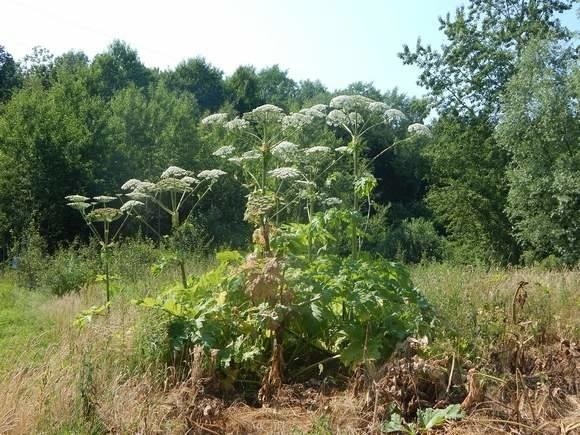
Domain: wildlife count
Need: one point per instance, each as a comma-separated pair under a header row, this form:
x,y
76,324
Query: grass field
x,y
108,378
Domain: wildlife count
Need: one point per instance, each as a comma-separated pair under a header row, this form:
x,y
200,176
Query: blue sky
x,y
336,41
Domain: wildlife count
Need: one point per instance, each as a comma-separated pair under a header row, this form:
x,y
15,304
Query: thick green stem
x,y
355,205
181,262
106,260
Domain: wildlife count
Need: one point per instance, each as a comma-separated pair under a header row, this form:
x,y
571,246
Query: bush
x,y
69,269
333,308
133,258
414,240
29,257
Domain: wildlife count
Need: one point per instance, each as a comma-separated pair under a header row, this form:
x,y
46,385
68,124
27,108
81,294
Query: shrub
x,y
414,240
29,256
69,269
333,308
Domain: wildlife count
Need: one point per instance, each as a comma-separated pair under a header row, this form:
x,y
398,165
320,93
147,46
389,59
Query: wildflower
x,y
343,150
378,107
313,113
190,180
419,129
80,206
224,151
251,155
104,198
130,205
215,119
266,112
211,174
236,124
296,121
175,172
336,118
394,116
350,102
356,119
131,184
76,198
285,150
285,173
145,187
172,185
236,160
317,149
105,214
320,108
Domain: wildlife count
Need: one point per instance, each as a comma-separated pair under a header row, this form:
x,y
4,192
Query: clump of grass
x,y
473,305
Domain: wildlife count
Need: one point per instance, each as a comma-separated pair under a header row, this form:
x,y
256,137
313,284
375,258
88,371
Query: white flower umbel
x,y
394,116
356,119
145,187
175,172
285,151
217,119
265,113
337,118
378,107
131,184
419,129
172,185
76,198
251,155
350,102
296,121
285,173
190,180
313,113
236,124
130,205
104,199
320,149
225,151
80,206
211,174
320,108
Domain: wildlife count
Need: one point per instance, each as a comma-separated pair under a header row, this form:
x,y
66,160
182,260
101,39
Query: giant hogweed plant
x,y
173,194
100,217
320,307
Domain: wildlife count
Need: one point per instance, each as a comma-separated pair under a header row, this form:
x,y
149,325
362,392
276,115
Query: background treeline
x,y
499,181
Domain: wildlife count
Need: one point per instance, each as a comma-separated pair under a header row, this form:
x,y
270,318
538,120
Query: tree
x,y
243,89
311,92
9,77
485,40
201,79
116,69
276,87
468,189
540,129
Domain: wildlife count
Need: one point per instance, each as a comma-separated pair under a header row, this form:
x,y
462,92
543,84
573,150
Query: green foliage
x,y
29,256
427,419
356,308
540,130
414,240
352,309
483,42
70,269
468,190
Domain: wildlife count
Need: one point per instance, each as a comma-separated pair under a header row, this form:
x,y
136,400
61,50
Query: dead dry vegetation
x,y
504,346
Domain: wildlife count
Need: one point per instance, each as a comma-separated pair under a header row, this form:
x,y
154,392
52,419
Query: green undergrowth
x,y
24,330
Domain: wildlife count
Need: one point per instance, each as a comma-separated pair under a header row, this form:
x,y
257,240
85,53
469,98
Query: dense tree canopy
x,y
497,177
